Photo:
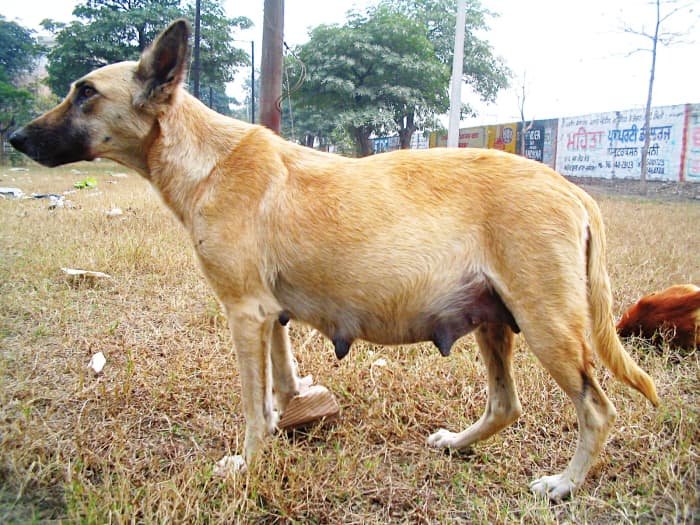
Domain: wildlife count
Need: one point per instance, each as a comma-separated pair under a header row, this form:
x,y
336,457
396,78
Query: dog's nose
x,y
18,139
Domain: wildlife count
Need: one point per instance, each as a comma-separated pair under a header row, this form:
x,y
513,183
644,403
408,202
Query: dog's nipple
x,y
342,347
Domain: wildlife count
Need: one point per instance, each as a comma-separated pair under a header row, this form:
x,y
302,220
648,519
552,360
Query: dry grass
x,y
137,443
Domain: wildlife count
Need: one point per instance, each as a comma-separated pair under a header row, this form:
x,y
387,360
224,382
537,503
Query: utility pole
x,y
252,81
271,65
197,36
456,85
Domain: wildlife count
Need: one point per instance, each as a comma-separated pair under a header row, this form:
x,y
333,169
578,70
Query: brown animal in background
x,y
395,248
674,311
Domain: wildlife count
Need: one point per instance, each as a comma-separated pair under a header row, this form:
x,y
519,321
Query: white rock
x,y
97,363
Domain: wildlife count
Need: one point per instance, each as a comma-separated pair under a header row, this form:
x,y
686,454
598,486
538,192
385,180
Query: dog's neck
x,y
184,147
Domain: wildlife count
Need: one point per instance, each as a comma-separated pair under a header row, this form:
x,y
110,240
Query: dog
x,y
396,248
673,314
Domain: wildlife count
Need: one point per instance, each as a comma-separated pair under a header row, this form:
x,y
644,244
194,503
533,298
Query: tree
x,y
113,30
18,53
369,74
241,110
666,38
485,73
15,107
387,69
521,94
18,50
219,59
107,31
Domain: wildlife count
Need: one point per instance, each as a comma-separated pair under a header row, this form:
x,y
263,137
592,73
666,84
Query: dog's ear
x,y
163,65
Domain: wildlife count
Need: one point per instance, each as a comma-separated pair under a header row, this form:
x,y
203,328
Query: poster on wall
x,y
539,140
609,145
502,137
692,141
474,137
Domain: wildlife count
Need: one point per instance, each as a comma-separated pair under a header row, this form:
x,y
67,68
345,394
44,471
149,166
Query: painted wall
x,y
692,144
606,145
609,145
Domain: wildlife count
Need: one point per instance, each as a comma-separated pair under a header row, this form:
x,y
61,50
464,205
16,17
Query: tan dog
x,y
397,248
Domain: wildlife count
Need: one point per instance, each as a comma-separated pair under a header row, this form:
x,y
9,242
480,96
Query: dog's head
x,y
111,112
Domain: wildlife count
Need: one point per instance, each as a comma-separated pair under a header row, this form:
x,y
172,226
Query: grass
x,y
137,443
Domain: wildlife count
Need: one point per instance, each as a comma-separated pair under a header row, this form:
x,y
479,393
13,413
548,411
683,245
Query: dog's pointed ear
x,y
163,66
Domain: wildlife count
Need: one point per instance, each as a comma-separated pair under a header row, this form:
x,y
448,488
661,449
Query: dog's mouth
x,y
51,147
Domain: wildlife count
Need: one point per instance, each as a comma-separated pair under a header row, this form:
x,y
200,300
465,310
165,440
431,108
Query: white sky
x,y
573,54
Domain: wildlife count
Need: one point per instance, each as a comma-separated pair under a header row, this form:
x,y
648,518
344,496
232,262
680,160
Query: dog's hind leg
x,y
284,372
502,407
568,364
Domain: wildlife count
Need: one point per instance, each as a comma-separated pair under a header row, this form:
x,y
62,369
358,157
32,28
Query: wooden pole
x,y
271,65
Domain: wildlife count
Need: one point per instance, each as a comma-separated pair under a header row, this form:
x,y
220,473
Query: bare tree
x,y
664,11
521,94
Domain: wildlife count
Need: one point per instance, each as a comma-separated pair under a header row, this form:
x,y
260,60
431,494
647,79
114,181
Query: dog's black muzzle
x,y
18,139
51,147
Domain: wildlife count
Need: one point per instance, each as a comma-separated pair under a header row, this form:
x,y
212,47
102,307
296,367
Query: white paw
x,y
442,439
555,487
272,421
230,465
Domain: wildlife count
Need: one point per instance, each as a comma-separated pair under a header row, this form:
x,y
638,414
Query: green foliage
x,y
18,50
218,57
482,71
387,70
107,31
366,75
18,53
113,30
15,106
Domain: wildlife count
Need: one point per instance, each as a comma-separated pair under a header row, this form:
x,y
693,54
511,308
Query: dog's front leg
x,y
252,333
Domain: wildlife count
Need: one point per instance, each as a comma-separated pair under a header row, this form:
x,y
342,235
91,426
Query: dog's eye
x,y
85,93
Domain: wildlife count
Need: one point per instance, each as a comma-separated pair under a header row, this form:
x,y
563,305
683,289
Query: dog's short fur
x,y
672,314
396,248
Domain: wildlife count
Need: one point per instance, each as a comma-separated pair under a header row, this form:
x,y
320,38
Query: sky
x,y
572,57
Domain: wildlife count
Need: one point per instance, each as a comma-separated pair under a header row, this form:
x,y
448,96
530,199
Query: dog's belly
x,y
440,318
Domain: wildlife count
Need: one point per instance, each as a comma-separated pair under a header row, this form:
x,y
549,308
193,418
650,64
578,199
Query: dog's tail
x,y
605,339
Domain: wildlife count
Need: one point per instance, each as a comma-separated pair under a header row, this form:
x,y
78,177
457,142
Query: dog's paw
x,y
556,487
230,465
442,439
272,421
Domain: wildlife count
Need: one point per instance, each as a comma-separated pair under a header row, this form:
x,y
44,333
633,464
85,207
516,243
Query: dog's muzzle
x,y
51,146
18,139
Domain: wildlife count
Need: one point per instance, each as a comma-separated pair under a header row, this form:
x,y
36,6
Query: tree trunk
x,y
363,144
406,132
647,111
